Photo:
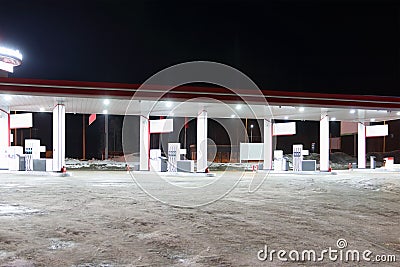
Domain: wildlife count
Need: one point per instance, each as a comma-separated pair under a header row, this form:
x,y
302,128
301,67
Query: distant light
x,y
7,97
333,119
398,113
42,109
252,126
301,109
372,120
168,104
238,107
105,111
106,102
233,116
286,117
352,111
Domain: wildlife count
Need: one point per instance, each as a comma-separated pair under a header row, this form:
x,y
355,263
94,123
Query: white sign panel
x,y
162,126
286,128
6,66
251,151
377,130
21,121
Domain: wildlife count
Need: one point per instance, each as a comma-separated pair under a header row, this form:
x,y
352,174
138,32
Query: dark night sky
x,y
318,46
330,46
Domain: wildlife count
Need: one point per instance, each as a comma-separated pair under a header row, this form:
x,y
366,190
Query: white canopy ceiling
x,y
89,105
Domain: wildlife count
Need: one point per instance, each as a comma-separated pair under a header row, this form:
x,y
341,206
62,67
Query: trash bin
x,y
164,164
22,163
372,162
285,164
260,166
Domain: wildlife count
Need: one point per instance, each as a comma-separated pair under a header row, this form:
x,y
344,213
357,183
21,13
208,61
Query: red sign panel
x,y
92,118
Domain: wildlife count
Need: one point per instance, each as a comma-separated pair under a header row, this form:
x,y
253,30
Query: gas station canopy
x,y
185,101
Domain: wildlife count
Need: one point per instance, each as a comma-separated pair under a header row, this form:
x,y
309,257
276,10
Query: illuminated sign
x,y
377,130
6,66
162,126
286,128
10,52
23,120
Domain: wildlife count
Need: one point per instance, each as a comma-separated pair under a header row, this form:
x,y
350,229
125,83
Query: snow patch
x,y
56,243
10,210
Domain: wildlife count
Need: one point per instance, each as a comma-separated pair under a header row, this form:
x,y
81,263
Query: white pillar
x,y
4,127
106,136
144,143
58,137
268,126
201,146
324,142
4,136
361,157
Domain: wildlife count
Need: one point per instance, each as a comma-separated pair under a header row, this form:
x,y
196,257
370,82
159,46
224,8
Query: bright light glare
x,y
372,120
105,111
233,116
352,111
398,113
252,126
238,107
168,104
333,119
10,52
41,109
106,102
286,117
7,97
301,109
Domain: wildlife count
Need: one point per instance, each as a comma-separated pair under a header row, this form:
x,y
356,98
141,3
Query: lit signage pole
x,y
9,59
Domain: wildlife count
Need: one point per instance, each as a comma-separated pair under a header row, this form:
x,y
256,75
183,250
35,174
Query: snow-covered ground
x,y
339,161
94,164
98,218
